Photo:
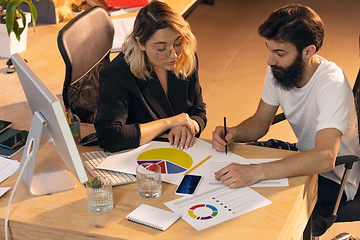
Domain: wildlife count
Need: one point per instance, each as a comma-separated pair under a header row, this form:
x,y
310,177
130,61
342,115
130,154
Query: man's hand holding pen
x,y
220,141
234,175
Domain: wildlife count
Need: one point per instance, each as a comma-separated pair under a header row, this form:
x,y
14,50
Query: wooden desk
x,y
65,215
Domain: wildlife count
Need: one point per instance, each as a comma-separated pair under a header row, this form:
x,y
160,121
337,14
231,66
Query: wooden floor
x,y
233,60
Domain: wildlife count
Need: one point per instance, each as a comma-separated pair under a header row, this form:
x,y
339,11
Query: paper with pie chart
x,y
173,162
217,205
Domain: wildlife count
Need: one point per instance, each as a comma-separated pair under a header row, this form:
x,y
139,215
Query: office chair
x,y
85,43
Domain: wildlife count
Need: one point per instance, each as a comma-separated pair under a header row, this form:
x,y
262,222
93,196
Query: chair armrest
x,y
348,160
321,223
278,118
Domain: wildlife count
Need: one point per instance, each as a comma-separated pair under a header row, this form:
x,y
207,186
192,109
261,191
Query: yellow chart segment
x,y
173,155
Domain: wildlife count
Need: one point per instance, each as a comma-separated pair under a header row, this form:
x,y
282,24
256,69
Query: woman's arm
x,y
197,111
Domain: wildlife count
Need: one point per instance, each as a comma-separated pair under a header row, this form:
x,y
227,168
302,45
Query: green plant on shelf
x,y
13,12
76,8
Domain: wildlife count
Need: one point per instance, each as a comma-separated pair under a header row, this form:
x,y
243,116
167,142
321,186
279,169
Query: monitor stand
x,y
50,181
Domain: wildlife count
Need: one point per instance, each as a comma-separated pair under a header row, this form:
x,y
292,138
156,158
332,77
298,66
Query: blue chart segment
x,y
212,215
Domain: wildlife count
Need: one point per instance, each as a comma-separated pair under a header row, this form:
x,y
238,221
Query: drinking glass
x,y
148,178
99,195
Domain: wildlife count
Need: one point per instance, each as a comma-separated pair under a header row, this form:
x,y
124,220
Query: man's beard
x,y
288,78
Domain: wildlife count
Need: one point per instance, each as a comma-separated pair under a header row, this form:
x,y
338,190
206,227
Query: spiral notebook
x,y
153,217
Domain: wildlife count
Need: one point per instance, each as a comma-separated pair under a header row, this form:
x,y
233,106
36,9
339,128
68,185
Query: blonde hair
x,y
154,16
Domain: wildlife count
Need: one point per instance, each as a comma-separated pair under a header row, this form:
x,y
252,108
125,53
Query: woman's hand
x,y
181,137
183,130
183,119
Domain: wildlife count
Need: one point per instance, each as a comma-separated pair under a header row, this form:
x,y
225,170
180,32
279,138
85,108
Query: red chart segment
x,y
163,166
166,166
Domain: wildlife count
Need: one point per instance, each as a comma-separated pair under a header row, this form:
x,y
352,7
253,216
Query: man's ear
x,y
309,51
141,46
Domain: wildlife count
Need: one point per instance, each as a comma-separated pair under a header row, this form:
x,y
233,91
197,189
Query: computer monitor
x,y
48,120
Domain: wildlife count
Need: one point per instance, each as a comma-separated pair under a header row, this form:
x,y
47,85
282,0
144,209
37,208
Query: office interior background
x,y
233,60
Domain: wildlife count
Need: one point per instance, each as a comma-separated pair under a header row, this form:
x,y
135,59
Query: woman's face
x,y
163,48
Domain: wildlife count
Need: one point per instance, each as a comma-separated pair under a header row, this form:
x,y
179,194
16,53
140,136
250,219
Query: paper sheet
x,y
174,162
217,205
7,168
3,190
215,165
122,26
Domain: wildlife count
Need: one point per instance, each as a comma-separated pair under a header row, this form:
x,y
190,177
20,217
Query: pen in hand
x,y
225,134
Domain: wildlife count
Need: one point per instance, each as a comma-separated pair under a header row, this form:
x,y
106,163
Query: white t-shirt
x,y
326,101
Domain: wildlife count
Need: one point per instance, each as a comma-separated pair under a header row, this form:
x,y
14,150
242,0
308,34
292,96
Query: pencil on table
x,y
191,169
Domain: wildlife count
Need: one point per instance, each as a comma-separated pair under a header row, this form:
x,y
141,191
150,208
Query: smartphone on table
x,y
16,140
188,185
4,125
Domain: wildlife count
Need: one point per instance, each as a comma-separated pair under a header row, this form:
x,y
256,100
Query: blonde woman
x,y
152,86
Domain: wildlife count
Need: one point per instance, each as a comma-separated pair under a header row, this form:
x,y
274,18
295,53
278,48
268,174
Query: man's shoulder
x,y
328,67
329,72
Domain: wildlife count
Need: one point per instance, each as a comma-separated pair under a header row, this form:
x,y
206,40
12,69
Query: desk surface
x,y
65,215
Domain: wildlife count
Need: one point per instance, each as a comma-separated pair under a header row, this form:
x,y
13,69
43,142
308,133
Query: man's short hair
x,y
296,24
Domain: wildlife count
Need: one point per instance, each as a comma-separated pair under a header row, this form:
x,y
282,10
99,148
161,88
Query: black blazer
x,y
126,101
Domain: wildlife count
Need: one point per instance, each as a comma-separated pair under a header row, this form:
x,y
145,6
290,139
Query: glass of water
x,y
99,195
148,178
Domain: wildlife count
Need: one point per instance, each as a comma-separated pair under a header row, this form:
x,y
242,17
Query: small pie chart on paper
x,y
171,160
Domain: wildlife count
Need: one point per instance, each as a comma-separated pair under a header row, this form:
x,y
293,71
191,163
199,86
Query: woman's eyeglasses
x,y
162,54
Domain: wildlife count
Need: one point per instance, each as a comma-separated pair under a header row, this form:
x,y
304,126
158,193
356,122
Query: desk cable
x,y
12,194
17,182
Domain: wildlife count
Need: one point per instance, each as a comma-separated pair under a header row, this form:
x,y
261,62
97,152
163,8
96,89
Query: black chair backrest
x,y
350,211
356,92
85,44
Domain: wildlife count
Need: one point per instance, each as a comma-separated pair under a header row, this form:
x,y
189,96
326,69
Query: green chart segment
x,y
171,160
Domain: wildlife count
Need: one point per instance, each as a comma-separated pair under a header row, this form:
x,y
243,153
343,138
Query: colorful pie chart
x,y
171,160
199,206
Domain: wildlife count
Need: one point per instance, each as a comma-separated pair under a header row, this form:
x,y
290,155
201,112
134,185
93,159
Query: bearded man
x,y
316,99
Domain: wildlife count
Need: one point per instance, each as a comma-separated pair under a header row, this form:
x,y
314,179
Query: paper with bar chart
x,y
217,205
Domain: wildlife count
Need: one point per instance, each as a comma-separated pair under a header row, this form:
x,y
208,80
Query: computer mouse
x,y
89,140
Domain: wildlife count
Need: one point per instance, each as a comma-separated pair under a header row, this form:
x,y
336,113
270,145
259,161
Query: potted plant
x,y
99,195
13,32
76,9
